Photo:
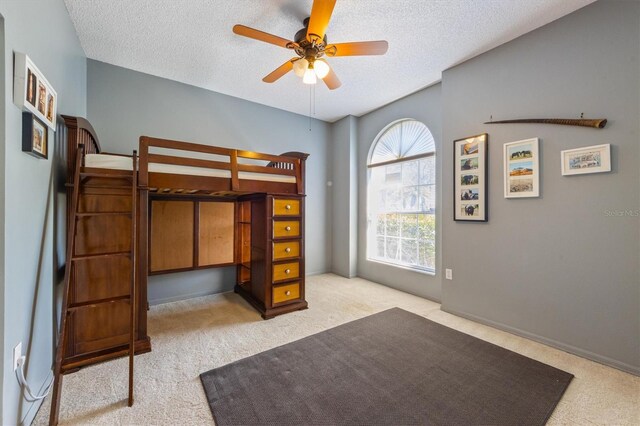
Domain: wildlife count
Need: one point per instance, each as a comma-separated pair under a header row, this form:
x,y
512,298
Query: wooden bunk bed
x,y
176,206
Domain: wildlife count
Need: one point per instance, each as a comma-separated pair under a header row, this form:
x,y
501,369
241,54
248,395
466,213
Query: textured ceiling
x,y
191,41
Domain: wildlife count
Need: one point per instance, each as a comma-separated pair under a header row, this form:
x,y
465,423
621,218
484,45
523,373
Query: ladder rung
x,y
90,186
85,185
76,306
91,214
106,175
99,255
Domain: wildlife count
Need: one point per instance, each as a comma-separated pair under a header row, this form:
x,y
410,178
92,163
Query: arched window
x,y
402,196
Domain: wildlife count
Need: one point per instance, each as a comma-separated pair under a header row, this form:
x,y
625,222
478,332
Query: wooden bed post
x,y
143,232
235,181
143,174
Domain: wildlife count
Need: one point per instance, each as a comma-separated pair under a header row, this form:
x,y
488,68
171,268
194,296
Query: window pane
x,y
393,225
380,224
410,173
409,226
409,251
393,248
382,197
377,176
393,173
426,227
393,199
427,199
426,256
380,247
428,170
410,199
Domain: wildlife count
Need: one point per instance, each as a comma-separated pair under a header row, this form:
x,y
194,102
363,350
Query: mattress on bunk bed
x,y
119,162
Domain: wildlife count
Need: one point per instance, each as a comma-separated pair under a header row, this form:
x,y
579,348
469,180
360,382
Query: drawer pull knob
x,y
288,207
287,271
287,250
287,293
287,228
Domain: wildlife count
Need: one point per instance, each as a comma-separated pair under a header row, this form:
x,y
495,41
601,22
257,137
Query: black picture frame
x,y
470,178
35,136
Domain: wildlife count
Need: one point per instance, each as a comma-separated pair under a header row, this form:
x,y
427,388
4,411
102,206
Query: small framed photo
x,y
521,169
590,159
470,178
32,92
34,135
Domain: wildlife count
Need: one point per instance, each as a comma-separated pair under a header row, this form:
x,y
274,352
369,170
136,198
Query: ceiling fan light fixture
x,y
309,76
321,68
300,67
310,43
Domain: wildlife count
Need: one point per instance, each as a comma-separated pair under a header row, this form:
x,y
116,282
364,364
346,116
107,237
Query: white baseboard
x,y
610,362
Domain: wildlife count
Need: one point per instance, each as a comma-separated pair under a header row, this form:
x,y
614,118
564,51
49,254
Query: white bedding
x,y
117,162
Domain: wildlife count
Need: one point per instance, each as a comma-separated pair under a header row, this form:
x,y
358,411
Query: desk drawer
x,y
285,293
286,250
286,271
286,207
286,228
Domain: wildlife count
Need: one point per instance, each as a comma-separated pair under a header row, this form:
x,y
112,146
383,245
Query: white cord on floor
x,y
23,382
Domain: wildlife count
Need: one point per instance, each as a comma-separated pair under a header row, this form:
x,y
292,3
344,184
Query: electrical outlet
x,y
17,353
448,274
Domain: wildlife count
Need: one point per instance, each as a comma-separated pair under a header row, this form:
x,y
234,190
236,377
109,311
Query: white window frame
x,y
371,234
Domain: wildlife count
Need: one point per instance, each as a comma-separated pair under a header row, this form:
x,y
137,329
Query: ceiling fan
x,y
310,44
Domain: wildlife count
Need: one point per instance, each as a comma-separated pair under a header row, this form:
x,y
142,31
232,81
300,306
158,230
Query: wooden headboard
x,y
79,132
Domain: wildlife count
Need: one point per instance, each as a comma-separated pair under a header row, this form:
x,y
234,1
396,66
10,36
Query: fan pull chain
x,y
310,106
312,103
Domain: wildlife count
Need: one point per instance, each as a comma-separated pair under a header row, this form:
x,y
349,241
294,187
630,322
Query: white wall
x,y
42,30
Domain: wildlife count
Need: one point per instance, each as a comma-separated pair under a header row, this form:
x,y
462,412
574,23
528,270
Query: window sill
x,y
430,272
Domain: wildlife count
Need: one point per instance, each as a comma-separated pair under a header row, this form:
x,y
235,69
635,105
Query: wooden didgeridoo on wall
x,y
583,122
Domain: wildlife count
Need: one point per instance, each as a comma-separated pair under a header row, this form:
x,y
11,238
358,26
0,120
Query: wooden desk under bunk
x,y
227,207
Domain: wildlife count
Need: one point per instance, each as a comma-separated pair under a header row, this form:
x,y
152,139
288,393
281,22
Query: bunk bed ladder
x,y
73,258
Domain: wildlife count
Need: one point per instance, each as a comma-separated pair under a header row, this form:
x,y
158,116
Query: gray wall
x,y
123,104
344,176
42,30
556,268
424,106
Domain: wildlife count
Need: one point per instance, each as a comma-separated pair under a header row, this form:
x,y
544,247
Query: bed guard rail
x,y
282,165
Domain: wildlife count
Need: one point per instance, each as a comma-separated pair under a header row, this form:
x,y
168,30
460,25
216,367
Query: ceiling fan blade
x,y
261,35
331,80
358,48
280,71
319,21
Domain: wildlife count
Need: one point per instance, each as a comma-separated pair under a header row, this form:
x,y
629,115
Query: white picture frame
x,y
32,91
589,159
521,169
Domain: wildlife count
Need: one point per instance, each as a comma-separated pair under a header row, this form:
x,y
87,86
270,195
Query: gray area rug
x,y
391,368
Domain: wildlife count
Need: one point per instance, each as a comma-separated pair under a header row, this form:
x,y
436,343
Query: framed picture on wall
x,y
470,178
32,92
590,159
34,136
521,171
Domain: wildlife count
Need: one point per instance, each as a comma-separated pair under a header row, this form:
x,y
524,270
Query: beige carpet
x,y
193,336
